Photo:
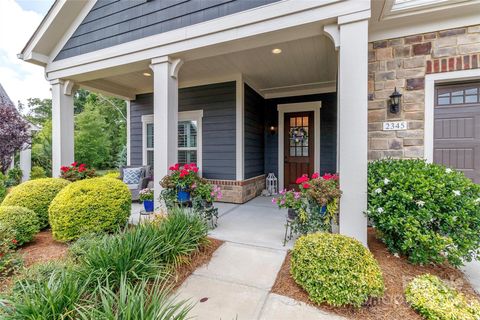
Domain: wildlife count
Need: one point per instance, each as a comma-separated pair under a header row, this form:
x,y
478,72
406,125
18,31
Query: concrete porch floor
x,y
257,222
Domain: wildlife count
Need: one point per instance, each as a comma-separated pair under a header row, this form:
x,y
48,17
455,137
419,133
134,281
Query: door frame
x,y
314,106
430,81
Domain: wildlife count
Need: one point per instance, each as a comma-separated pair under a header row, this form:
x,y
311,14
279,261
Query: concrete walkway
x,y
472,273
236,284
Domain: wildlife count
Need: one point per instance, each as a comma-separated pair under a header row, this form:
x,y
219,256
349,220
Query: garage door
x,y
457,128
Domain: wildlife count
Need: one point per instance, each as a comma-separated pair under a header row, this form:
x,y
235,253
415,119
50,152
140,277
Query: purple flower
x,y
282,192
274,200
297,195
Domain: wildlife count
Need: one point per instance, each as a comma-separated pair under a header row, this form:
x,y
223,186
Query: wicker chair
x,y
145,177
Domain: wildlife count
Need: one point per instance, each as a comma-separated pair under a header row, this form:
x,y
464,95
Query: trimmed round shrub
x,y
427,212
22,222
89,206
36,195
435,300
336,269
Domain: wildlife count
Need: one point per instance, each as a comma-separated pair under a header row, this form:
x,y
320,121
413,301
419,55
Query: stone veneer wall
x,y
403,63
240,191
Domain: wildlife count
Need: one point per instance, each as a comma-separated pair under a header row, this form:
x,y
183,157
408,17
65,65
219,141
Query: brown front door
x,y
299,146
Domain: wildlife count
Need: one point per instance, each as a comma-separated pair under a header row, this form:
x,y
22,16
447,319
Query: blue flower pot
x,y
323,210
183,196
148,205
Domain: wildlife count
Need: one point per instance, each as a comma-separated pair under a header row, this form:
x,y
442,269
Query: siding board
x,y
110,23
254,127
218,131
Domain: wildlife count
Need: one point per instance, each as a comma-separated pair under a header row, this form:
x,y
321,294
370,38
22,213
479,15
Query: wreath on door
x,y
298,134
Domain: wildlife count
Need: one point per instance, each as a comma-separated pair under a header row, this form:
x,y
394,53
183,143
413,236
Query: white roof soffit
x,y
52,30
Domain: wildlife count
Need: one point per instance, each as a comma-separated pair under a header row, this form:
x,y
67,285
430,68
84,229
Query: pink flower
x,y
219,195
175,167
194,186
315,175
212,194
297,195
306,185
195,169
186,167
282,202
74,164
183,173
274,200
283,192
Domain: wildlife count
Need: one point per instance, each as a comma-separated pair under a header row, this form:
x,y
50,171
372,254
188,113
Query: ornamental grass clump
x,y
22,223
435,300
429,213
36,195
336,269
90,206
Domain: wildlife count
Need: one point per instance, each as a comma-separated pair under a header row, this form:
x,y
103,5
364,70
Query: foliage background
x,y
100,130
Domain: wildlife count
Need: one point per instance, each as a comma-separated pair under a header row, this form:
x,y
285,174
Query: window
x,y
189,138
458,95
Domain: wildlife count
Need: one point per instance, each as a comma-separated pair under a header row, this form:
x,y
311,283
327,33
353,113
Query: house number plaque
x,y
395,125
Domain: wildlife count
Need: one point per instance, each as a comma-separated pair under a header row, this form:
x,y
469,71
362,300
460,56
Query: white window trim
x,y
196,115
314,106
430,81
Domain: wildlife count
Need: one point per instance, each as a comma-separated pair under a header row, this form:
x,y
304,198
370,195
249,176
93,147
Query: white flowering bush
x,y
427,212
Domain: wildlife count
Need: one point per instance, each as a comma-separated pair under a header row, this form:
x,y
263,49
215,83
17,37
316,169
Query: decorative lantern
x,y
271,183
395,101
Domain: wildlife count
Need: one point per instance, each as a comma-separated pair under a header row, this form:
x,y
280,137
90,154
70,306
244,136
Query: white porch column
x,y
26,163
353,124
62,125
165,117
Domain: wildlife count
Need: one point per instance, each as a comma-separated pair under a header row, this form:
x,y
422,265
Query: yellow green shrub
x,y
112,174
435,300
336,269
22,222
36,195
89,206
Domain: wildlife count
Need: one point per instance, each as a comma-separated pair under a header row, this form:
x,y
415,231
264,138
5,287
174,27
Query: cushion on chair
x,y
132,186
132,175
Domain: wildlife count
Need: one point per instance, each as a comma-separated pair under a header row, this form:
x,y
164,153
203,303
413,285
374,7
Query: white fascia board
x,y
273,17
407,26
44,25
71,30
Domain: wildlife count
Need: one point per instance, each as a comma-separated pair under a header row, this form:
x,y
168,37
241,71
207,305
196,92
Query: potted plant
x,y
206,193
146,196
183,177
76,172
313,205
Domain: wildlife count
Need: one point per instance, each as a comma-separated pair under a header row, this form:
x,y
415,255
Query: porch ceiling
x,y
309,63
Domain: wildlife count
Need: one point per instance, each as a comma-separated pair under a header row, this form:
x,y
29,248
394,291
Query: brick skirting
x,y
240,191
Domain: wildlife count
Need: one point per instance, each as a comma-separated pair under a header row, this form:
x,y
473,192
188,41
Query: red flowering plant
x,y
315,202
76,172
10,260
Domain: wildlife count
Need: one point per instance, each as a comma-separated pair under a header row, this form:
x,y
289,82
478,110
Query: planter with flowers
x,y
314,206
76,172
146,196
183,187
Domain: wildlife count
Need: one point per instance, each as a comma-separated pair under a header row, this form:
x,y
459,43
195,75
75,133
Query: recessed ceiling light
x,y
277,51
146,74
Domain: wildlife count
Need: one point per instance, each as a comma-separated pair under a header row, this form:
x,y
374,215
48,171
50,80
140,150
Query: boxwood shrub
x,y
435,300
22,222
36,195
89,206
427,212
336,269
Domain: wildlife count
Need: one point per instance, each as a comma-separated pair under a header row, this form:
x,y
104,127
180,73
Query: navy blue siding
x,y
112,22
254,126
218,131
328,131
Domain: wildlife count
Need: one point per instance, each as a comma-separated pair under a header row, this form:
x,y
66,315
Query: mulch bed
x,y
196,260
44,248
397,272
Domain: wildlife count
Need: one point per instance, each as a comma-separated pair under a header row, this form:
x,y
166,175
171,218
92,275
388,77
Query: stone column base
x,y
240,191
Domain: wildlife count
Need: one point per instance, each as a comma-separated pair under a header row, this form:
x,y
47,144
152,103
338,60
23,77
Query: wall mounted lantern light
x,y
272,130
395,101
